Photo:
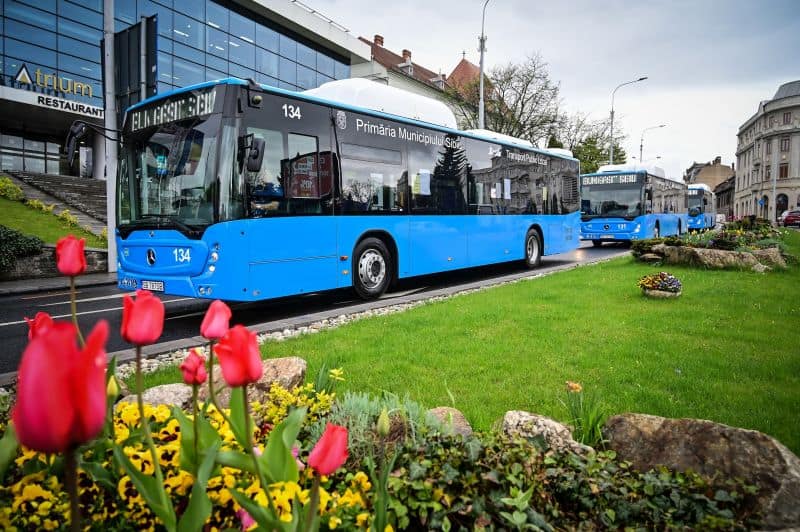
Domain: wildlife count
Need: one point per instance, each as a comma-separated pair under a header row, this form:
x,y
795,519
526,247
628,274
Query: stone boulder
x,y
557,436
708,258
711,449
770,257
289,372
650,258
177,394
452,420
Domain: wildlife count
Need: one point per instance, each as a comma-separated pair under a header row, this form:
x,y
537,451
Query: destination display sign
x,y
197,103
695,192
612,179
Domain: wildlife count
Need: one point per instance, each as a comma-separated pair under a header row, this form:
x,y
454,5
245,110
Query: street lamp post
x,y
611,150
481,48
641,140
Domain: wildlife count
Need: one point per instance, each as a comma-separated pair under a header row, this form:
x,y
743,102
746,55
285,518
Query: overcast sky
x,y
709,62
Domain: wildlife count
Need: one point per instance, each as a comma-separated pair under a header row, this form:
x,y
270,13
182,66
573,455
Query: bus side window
x,y
265,189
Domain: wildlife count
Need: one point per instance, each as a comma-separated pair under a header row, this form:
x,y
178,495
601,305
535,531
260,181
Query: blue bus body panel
x,y
247,260
702,221
640,228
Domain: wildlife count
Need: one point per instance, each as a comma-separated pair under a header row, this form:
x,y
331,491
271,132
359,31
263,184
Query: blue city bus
x,y
243,192
621,203
702,207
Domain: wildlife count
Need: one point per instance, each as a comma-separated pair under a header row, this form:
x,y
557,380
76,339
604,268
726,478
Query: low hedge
x,y
14,245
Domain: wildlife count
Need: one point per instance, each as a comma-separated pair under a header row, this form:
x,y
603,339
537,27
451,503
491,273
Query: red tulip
x,y
38,324
216,321
194,368
330,452
70,258
142,318
239,356
61,390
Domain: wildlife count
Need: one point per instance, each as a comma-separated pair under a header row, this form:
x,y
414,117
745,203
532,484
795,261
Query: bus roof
x,y
324,101
702,186
632,167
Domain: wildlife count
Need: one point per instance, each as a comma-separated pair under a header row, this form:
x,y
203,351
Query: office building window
x,y
768,142
768,172
785,142
787,117
783,171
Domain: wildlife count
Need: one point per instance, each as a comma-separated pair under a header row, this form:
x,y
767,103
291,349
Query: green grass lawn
x,y
726,350
16,215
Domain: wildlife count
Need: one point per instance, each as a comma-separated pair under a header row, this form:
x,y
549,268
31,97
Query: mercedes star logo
x,y
148,257
151,256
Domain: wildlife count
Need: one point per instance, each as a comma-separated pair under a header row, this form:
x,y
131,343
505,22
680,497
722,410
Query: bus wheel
x,y
597,243
371,268
533,249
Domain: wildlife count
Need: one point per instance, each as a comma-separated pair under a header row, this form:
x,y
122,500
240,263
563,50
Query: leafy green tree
x,y
592,155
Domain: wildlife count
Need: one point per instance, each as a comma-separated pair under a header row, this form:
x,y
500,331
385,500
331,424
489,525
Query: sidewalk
x,y
55,283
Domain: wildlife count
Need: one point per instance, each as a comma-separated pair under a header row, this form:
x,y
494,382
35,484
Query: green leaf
x,y
100,474
238,408
147,486
8,449
237,460
277,461
611,515
199,507
206,434
260,514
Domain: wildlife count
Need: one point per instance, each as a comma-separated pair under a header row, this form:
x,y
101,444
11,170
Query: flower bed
x,y
302,460
660,285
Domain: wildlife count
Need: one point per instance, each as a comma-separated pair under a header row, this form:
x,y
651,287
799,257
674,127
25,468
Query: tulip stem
x,y
74,307
71,482
251,444
212,394
148,437
314,504
194,426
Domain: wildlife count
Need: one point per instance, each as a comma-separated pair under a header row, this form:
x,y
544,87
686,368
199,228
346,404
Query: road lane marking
x,y
99,298
91,312
49,294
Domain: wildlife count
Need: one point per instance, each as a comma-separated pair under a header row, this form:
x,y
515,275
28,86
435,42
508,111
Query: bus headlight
x,y
212,268
214,256
637,228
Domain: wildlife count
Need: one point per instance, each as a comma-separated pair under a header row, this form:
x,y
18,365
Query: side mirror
x,y
255,155
648,194
77,132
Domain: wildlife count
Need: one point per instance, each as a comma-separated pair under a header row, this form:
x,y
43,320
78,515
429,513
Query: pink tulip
x,y
194,368
239,357
216,321
38,324
70,258
142,318
61,391
330,452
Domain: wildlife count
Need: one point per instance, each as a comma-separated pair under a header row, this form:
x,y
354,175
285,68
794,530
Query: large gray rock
x,y
557,436
707,258
177,394
711,449
770,257
289,372
452,420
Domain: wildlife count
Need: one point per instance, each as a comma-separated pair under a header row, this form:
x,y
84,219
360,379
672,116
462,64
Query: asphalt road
x,y
184,315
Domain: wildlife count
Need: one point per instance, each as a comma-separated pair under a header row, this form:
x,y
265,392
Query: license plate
x,y
153,286
607,236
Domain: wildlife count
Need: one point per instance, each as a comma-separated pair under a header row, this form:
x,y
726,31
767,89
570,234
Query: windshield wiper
x,y
172,218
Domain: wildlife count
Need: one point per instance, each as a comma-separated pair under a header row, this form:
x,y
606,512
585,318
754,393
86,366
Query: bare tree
x,y
521,100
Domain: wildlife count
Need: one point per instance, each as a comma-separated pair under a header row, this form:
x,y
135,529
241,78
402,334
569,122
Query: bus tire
x,y
533,249
597,243
372,268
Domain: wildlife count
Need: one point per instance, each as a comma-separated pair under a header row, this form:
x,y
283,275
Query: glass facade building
x,y
58,43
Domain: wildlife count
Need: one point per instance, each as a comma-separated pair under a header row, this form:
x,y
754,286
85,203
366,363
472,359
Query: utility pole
x,y
611,149
482,48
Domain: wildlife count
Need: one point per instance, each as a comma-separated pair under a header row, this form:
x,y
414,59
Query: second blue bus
x,y
702,207
622,203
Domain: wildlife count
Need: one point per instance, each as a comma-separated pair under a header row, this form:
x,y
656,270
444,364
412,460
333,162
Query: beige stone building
x,y
768,156
711,174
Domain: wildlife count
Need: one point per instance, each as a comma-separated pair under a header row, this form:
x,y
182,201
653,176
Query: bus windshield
x,y
696,201
167,175
606,201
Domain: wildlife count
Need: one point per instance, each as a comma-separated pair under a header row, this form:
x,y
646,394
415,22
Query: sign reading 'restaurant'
x,y
611,179
197,103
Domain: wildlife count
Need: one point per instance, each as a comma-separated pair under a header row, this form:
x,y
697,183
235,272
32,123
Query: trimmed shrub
x,y
9,190
14,245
